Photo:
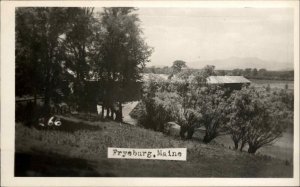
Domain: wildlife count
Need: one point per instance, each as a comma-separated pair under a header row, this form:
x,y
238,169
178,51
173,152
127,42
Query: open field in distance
x,y
273,83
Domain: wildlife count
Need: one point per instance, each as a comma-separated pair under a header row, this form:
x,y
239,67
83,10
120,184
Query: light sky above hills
x,y
203,34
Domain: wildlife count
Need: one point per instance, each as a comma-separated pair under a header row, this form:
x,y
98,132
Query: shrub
x,y
257,117
189,103
212,104
28,113
155,113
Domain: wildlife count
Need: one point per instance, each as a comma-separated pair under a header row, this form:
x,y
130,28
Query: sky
x,y
200,34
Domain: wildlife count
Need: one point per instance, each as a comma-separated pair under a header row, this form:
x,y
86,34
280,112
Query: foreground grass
x,y
80,149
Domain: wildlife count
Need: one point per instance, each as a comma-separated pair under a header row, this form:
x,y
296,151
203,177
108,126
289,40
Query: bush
x,y
158,111
251,115
257,117
189,105
212,104
28,113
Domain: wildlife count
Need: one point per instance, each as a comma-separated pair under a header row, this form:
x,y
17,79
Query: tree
x,y
212,104
286,86
285,104
240,115
266,126
237,72
155,112
152,69
124,53
202,104
189,102
208,103
254,72
262,72
268,88
61,47
38,50
200,77
188,120
77,43
163,103
258,118
221,73
247,72
178,65
28,63
209,70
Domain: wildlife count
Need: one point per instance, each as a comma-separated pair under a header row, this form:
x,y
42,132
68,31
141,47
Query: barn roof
x,y
226,79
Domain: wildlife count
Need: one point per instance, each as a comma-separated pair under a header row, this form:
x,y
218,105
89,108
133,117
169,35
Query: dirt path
x,y
127,108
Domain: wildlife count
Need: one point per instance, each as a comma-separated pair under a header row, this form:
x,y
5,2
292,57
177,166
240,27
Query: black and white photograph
x,y
142,91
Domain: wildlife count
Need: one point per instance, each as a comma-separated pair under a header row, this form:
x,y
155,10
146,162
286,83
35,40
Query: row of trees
x,y
252,73
59,49
251,116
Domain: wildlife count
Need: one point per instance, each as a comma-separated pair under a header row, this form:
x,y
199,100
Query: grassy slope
x,y
81,150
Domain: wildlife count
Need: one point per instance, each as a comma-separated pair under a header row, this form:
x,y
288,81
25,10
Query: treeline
x,y
59,51
261,74
158,70
251,73
252,116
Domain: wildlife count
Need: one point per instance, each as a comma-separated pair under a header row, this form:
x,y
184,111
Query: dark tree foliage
x,y
123,54
77,44
39,57
178,65
151,118
262,74
59,51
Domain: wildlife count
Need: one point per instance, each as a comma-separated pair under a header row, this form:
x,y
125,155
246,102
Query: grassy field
x,y
80,149
282,148
275,84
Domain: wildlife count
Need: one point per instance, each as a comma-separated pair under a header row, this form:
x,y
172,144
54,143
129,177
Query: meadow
x,y
282,148
275,84
79,148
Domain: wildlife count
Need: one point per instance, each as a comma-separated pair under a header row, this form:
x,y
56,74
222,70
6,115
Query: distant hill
x,y
242,63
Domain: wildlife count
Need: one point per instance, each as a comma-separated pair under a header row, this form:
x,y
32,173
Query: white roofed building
x,y
234,82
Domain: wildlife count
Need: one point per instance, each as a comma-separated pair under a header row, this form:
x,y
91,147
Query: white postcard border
x,y
7,100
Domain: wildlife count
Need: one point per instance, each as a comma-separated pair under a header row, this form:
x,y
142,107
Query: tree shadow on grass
x,y
72,126
53,165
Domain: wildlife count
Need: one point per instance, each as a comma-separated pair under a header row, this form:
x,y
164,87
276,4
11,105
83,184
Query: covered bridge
x,y
233,82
